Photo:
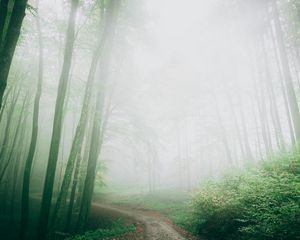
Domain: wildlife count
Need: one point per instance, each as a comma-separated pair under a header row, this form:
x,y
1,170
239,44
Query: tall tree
x,y
286,71
77,140
34,135
108,36
57,125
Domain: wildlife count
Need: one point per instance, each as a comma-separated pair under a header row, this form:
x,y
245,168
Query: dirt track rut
x,y
156,226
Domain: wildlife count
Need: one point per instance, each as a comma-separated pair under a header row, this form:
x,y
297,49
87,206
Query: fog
x,y
182,80
163,94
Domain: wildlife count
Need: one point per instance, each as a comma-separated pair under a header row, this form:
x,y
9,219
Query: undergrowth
x,y
261,203
117,229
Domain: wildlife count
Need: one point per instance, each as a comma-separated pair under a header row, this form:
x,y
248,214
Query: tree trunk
x,y
96,134
57,125
17,167
282,88
73,192
6,138
10,43
3,19
7,93
236,123
273,100
34,135
8,160
287,72
223,132
77,142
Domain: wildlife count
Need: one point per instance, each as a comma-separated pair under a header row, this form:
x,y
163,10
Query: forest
x,y
149,120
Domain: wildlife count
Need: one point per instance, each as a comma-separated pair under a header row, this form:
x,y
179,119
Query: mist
x,y
111,109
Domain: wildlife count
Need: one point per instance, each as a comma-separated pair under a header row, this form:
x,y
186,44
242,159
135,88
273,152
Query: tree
x,y
77,141
9,38
108,36
286,71
57,125
34,134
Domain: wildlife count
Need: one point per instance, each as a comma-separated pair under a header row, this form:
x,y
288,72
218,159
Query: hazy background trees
x,y
145,95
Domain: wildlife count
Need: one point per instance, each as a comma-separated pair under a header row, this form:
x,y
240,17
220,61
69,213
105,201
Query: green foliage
x,y
260,204
117,229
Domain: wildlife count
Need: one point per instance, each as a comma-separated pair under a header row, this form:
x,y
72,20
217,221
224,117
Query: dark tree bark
x,y
10,42
16,173
13,145
11,110
34,135
3,18
7,170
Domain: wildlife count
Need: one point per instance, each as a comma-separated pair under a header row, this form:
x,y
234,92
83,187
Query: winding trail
x,y
157,227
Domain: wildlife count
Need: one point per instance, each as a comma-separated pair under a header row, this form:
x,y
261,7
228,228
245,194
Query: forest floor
x,y
150,225
159,215
154,216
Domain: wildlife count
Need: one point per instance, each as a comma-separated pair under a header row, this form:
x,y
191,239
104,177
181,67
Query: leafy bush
x,y
117,229
259,204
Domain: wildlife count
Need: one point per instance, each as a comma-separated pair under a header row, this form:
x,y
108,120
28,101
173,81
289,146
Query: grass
x,y
118,228
173,204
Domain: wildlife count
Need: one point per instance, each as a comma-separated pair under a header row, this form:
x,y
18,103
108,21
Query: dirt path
x,y
157,227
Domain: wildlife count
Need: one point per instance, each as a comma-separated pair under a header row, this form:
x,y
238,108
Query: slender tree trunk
x,y
83,165
236,123
7,170
245,131
2,110
17,167
3,19
77,142
188,156
57,125
265,118
258,142
8,160
11,111
287,72
34,135
261,112
273,101
223,133
73,192
96,134
282,88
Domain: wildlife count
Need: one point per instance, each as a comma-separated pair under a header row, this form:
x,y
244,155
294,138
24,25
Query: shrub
x,y
259,204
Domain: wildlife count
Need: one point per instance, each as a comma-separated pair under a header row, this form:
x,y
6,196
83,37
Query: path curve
x,y
156,226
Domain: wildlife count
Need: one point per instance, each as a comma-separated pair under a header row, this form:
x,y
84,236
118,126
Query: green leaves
x,y
260,204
